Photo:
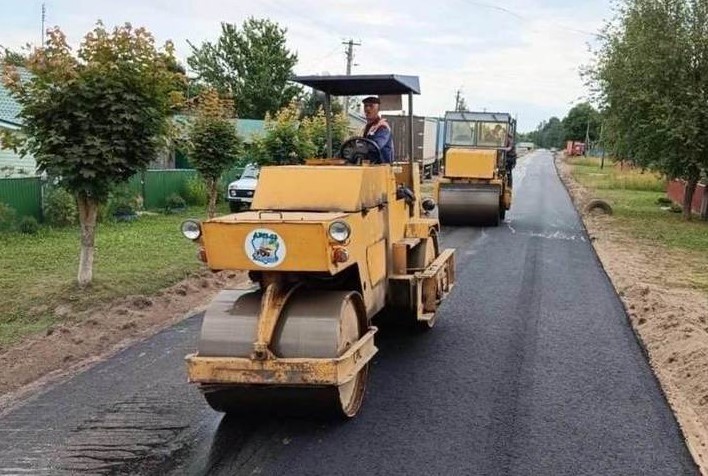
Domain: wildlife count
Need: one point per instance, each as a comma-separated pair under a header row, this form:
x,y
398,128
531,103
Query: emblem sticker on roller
x,y
265,248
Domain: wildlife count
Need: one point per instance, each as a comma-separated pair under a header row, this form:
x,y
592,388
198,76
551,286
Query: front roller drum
x,y
469,205
312,325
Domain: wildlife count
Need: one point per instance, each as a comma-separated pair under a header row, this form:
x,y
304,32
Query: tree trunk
x,y
212,189
88,210
688,192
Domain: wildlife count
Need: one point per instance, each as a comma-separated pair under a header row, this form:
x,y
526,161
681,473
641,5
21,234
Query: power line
x,y
527,18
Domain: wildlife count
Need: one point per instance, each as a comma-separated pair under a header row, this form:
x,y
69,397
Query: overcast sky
x,y
520,56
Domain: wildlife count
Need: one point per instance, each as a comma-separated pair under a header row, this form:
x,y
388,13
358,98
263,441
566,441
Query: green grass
x,y
633,196
615,177
39,272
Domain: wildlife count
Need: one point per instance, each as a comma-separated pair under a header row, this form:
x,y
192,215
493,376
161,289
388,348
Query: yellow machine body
x,y
470,164
474,188
390,260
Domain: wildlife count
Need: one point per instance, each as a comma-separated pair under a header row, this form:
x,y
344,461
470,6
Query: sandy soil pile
x,y
670,318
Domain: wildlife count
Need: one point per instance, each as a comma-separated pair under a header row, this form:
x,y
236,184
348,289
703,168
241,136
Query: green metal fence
x,y
156,185
23,194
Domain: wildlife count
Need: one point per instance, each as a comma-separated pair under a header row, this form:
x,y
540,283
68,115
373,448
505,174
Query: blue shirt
x,y
383,138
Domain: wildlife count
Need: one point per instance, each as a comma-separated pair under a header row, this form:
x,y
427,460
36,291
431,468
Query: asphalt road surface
x,y
532,369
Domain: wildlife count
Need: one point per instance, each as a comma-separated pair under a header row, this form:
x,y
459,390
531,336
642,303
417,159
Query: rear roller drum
x,y
469,205
314,324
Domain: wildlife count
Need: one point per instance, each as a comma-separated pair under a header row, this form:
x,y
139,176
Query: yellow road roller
x,y
475,187
328,245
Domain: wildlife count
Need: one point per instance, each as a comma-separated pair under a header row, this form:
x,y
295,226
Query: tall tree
x,y
548,134
651,77
285,141
579,119
12,58
310,103
313,129
213,142
95,119
252,64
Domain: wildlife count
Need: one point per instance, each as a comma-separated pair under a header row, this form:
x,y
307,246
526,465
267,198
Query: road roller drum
x,y
469,204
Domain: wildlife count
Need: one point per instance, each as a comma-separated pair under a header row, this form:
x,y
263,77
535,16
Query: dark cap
x,y
371,100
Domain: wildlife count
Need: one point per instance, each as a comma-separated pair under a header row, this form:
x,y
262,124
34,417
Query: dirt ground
x,y
91,336
670,318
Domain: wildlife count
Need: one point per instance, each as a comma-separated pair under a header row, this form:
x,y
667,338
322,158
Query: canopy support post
x,y
328,119
413,178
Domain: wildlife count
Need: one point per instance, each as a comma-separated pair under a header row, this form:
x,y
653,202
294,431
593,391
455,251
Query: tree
x,y
284,142
650,76
95,119
576,123
548,134
12,58
313,130
213,143
310,103
252,64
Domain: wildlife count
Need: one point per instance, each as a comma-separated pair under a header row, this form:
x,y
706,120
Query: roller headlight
x,y
339,231
191,229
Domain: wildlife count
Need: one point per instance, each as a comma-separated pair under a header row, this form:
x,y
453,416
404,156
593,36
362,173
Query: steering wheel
x,y
358,149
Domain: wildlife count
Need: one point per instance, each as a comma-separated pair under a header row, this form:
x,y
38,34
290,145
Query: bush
x,y
175,203
664,201
29,225
196,192
122,205
7,217
60,208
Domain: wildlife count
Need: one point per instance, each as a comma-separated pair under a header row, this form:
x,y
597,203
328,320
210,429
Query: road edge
x,y
59,373
684,425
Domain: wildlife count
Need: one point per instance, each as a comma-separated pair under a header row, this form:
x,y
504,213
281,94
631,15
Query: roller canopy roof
x,y
360,85
478,116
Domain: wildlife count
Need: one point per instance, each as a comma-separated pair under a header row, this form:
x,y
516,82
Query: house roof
x,y
9,108
247,129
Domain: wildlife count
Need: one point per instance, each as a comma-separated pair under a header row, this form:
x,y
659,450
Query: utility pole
x,y
44,16
350,61
602,144
587,139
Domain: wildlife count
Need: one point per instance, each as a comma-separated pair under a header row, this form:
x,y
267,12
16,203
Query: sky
x,y
517,56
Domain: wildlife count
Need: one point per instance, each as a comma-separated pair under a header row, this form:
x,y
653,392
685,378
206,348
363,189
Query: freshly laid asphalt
x,y
532,369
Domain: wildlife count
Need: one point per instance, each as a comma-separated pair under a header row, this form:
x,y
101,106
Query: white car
x,y
240,192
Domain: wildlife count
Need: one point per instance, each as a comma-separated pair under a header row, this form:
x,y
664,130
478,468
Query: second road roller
x,y
478,155
328,245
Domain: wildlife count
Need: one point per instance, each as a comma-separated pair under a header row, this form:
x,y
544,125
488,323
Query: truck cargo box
x,y
425,140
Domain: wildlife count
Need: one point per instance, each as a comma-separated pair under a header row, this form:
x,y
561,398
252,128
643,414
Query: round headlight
x,y
191,229
339,231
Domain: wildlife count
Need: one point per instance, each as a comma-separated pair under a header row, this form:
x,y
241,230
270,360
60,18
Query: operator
x,y
510,159
377,129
